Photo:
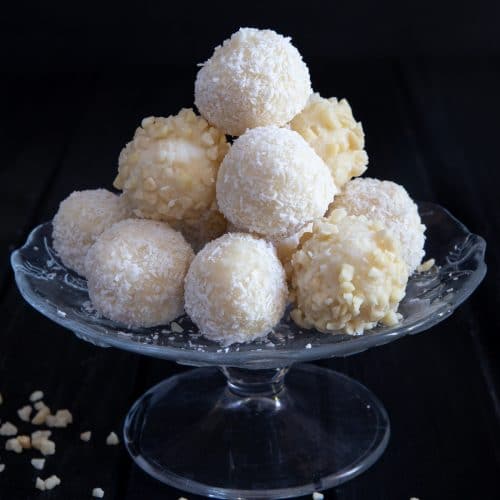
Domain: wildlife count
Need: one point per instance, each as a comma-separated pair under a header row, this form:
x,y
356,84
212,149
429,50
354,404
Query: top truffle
x,y
255,78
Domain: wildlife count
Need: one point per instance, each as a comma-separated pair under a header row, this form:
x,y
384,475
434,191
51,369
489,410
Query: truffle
x,y
236,289
168,171
329,127
256,78
81,218
389,203
348,275
136,271
272,183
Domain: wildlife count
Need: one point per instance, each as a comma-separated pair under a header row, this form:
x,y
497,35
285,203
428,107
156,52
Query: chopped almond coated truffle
x,y
348,275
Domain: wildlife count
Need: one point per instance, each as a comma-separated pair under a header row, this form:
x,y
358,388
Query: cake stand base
x,y
235,433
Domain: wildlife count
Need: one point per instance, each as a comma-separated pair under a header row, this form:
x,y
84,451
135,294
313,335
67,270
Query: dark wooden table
x,y
432,125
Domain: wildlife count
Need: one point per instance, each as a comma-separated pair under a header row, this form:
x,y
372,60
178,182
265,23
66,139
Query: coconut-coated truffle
x,y
348,275
168,171
330,128
236,289
391,204
272,183
81,218
135,272
256,78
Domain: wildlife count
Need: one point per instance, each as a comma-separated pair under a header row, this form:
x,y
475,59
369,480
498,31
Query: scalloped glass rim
x,y
61,295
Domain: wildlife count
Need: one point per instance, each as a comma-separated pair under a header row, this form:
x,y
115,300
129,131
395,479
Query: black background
x,y
424,79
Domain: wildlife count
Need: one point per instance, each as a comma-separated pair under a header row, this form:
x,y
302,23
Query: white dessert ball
x,y
135,272
330,128
389,203
256,78
236,289
81,218
348,275
272,183
168,171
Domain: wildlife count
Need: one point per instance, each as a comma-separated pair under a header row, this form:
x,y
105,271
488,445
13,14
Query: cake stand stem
x,y
247,383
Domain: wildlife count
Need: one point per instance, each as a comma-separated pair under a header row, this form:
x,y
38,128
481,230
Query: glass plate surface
x,y
62,296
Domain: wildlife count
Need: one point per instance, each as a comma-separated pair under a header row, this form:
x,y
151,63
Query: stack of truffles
x,y
275,212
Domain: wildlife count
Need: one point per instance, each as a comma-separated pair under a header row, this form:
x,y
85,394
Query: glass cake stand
x,y
249,421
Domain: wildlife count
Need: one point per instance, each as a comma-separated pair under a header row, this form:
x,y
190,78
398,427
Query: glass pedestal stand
x,y
252,421
237,433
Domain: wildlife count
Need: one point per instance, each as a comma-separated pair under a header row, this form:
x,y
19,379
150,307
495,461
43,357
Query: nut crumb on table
x,y
36,396
85,436
112,439
49,483
24,413
39,405
8,429
38,463
13,445
41,415
24,441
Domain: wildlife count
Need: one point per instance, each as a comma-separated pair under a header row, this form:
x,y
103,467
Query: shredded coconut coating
x,y
236,289
348,275
256,78
330,128
272,183
168,171
81,218
136,271
390,204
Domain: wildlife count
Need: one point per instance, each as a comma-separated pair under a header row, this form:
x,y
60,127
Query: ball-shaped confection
x,y
256,78
81,218
135,272
330,128
168,171
272,183
389,203
348,275
236,289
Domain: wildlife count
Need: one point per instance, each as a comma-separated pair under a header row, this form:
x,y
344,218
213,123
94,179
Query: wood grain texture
x,y
430,125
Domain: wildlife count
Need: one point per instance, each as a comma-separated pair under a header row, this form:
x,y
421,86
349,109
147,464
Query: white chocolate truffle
x,y
256,78
389,203
348,275
81,218
329,127
136,271
236,289
272,183
168,171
